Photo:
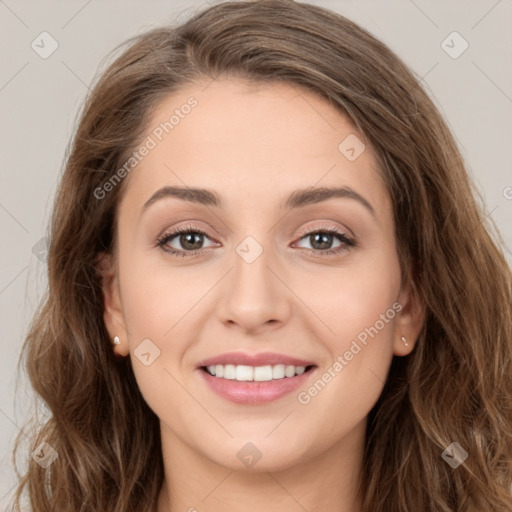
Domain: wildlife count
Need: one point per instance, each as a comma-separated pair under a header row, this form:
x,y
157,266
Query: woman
x,y
271,286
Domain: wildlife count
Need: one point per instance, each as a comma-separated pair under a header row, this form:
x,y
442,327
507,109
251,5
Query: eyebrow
x,y
297,199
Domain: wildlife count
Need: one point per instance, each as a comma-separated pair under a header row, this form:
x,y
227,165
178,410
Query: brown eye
x,y
321,241
189,241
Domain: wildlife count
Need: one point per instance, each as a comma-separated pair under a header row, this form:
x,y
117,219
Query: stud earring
x,y
116,341
405,341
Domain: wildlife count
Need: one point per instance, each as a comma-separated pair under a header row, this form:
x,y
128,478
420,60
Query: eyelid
x,y
174,232
325,227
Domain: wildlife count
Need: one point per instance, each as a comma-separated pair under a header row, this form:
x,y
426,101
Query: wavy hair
x,y
456,386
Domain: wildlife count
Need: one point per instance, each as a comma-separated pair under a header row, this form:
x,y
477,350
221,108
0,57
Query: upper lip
x,y
261,359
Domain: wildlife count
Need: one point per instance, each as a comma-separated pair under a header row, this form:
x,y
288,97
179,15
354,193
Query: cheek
x,y
152,305
354,298
156,309
155,298
359,307
368,332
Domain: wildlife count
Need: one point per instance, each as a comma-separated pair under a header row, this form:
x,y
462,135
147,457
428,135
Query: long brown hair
x,y
456,386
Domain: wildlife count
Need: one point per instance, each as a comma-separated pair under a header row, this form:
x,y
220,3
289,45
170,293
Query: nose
x,y
254,295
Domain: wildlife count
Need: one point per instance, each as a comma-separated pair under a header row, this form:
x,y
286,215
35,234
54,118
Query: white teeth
x,y
289,371
244,372
262,373
278,371
259,373
230,371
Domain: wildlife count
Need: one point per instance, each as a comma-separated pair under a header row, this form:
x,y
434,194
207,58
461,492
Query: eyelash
x,y
348,241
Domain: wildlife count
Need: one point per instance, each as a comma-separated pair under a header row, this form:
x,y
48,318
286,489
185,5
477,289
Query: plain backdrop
x,y
40,98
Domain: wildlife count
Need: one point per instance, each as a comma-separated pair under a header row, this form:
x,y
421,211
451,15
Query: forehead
x,y
259,141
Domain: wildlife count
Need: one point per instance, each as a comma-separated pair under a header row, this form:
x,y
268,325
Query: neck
x,y
327,481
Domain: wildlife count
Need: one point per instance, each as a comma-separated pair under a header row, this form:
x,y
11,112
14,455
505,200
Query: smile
x,y
257,385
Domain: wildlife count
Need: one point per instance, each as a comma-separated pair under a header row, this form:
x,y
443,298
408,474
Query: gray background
x,y
39,100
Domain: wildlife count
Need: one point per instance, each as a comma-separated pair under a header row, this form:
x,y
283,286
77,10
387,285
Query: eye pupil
x,y
186,242
323,239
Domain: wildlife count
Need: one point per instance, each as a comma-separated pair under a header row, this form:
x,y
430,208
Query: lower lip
x,y
254,393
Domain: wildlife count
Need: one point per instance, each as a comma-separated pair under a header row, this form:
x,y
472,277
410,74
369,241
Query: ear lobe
x,y
409,321
112,309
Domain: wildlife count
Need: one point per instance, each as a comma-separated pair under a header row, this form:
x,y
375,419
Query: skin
x,y
254,145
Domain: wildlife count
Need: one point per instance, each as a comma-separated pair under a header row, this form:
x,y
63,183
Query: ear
x,y
409,320
112,308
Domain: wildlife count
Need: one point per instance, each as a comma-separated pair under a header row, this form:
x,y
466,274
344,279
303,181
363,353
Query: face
x,y
260,267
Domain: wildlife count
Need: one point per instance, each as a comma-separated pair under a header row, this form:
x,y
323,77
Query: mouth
x,y
248,385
